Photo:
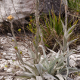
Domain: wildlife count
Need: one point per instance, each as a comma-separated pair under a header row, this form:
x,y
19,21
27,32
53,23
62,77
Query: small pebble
x,y
9,34
2,70
4,53
77,78
9,70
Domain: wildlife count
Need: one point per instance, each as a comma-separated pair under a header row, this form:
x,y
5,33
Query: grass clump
x,y
74,5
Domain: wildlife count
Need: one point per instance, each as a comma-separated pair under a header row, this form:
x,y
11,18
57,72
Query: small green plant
x,y
52,29
6,65
77,73
74,5
16,48
20,52
19,30
31,26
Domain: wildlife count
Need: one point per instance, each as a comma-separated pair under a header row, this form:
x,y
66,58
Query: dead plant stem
x,y
17,53
37,25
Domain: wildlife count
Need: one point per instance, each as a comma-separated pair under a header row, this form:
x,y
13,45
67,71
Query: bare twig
x,y
6,74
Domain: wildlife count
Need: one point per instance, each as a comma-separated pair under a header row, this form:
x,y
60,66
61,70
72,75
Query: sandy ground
x,y
8,59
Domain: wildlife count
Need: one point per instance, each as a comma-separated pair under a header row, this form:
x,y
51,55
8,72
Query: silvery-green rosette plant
x,y
53,66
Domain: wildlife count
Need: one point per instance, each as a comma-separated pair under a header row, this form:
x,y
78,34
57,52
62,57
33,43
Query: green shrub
x,y
52,29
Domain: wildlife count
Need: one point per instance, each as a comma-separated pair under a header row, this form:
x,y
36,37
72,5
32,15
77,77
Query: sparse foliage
x,y
47,66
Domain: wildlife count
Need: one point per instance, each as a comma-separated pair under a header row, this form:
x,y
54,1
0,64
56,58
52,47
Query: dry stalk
x,y
37,25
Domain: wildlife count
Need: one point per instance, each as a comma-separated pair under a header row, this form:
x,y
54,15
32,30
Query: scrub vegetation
x,y
53,34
